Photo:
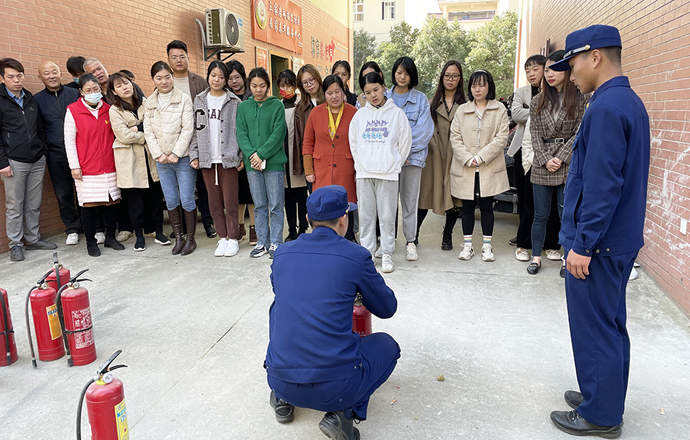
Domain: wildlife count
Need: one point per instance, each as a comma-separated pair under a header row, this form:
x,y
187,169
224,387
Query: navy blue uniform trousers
x,y
601,346
380,354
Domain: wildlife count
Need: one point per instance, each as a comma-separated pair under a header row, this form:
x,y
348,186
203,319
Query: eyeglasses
x,y
453,77
309,82
180,57
235,78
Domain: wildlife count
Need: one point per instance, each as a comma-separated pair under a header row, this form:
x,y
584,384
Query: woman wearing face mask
x,y
89,147
168,128
555,115
309,83
478,133
368,67
137,175
295,184
261,131
214,150
237,81
416,107
380,140
327,156
434,190
344,71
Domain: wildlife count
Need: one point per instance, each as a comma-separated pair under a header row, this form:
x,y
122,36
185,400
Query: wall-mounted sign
x,y
261,57
278,22
320,50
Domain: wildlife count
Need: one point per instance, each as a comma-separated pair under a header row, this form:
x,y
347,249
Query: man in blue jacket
x,y
52,105
314,360
602,229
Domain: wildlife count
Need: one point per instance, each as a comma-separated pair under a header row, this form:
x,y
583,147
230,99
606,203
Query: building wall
x,y
132,35
656,58
373,23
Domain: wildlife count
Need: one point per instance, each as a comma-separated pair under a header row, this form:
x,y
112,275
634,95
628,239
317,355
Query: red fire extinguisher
x,y
361,318
105,404
41,297
74,312
6,331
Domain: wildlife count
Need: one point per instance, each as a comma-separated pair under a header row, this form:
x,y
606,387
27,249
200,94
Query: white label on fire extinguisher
x,y
121,418
81,319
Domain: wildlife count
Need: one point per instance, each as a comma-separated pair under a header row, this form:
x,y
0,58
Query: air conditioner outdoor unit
x,y
224,29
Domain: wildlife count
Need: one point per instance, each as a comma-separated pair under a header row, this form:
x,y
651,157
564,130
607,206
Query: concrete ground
x,y
193,331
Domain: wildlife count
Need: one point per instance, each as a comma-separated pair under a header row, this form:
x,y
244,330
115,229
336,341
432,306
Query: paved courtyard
x,y
194,331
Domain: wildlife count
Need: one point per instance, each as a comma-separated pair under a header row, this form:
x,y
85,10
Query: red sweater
x,y
94,139
332,160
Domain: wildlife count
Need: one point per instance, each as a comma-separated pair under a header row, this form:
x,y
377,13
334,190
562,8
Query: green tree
x,y
364,46
403,39
493,49
438,43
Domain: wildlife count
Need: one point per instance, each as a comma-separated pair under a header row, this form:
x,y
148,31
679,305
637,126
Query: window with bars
x,y
358,9
388,10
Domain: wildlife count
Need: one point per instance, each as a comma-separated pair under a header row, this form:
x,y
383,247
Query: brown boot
x,y
252,235
243,233
190,219
176,223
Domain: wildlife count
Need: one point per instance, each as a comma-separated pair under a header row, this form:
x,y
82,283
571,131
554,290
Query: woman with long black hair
x,y
344,71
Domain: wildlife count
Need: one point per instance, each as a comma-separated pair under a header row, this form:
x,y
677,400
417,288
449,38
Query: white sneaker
x,y
487,252
387,265
221,247
123,236
72,239
378,253
521,254
233,248
100,237
467,252
411,252
553,255
633,274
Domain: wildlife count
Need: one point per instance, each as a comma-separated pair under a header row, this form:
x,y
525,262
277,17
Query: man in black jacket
x,y
52,104
22,160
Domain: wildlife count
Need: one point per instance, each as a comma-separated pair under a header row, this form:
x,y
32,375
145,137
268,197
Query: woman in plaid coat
x,y
555,115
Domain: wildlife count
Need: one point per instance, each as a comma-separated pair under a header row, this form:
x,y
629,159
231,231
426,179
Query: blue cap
x,y
583,40
328,203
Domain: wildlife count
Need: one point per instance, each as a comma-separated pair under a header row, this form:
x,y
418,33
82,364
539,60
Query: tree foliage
x,y
493,49
438,43
364,46
402,43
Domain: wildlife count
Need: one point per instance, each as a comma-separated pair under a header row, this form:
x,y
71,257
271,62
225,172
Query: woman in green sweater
x,y
260,133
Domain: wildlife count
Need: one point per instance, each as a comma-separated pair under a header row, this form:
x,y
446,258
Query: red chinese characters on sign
x,y
278,22
322,51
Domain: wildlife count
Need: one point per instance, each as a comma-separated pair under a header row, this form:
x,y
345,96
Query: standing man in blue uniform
x,y
314,360
602,229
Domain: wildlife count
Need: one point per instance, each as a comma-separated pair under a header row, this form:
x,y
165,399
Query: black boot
x,y
451,218
285,412
335,425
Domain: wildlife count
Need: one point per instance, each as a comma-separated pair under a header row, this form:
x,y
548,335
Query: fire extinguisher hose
x,y
39,283
81,404
7,330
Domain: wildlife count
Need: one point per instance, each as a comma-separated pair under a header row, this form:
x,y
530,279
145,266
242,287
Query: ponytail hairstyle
x,y
158,66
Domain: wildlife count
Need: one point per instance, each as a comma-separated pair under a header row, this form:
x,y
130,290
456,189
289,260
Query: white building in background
x,y
377,17
472,14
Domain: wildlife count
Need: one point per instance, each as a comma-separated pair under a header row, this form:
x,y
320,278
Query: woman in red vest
x,y
89,146
326,150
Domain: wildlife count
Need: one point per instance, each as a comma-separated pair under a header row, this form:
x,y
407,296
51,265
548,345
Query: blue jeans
x,y
269,198
178,181
542,208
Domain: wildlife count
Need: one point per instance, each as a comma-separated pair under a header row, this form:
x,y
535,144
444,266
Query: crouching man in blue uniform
x,y
314,360
602,229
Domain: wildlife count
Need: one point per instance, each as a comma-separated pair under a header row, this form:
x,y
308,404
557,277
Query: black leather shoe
x,y
285,412
40,245
92,249
513,241
17,253
533,268
447,240
562,272
573,398
291,236
210,231
338,427
111,242
572,423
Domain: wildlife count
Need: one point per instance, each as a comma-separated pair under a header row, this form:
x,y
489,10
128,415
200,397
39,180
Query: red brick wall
x,y
656,58
132,35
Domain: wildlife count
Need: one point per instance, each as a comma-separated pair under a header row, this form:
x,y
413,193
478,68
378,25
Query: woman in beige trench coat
x,y
434,193
478,133
137,175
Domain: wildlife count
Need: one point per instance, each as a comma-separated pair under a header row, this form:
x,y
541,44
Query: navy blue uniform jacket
x,y
606,190
53,106
315,280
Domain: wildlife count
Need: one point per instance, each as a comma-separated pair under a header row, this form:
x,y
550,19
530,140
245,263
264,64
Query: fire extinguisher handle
x,y
43,278
55,258
76,277
105,367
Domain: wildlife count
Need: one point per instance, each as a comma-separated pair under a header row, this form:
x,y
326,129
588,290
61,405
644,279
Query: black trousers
x,y
90,216
526,210
202,200
486,207
296,203
63,185
145,208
